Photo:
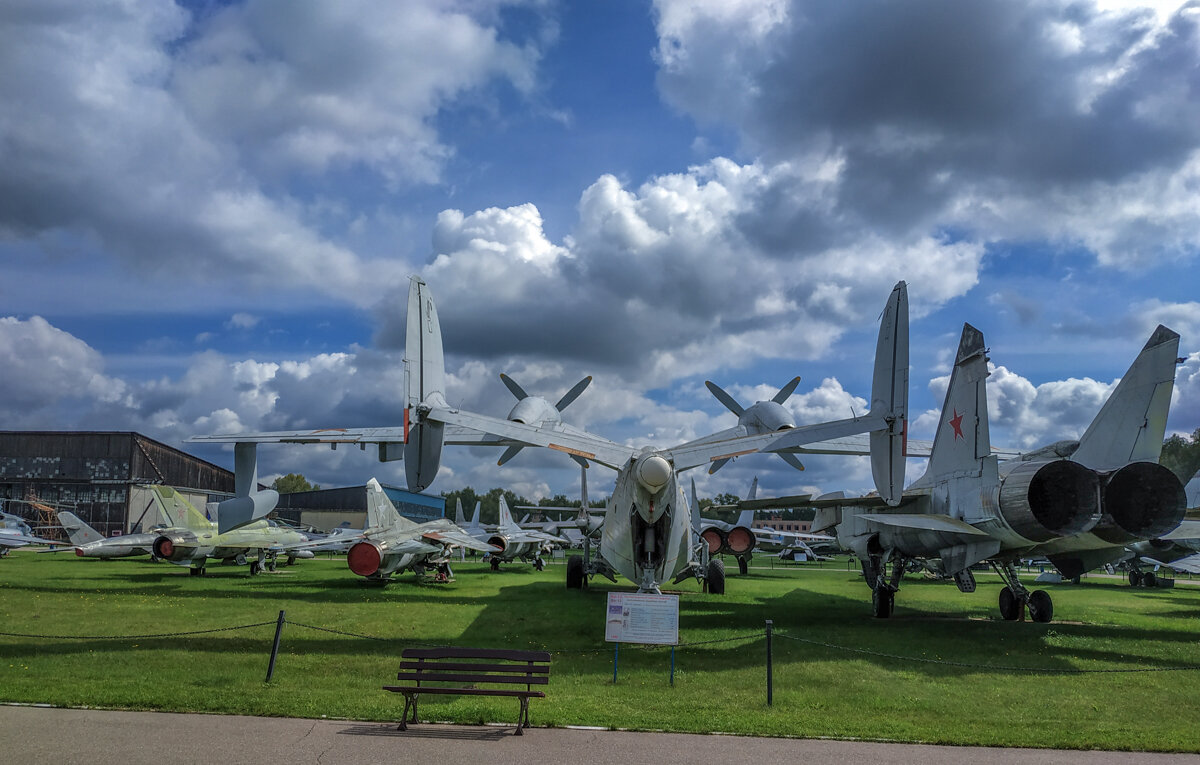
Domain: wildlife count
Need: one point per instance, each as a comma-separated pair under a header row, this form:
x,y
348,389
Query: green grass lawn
x,y
720,680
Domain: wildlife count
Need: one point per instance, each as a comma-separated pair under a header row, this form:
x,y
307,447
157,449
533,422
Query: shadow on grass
x,y
434,731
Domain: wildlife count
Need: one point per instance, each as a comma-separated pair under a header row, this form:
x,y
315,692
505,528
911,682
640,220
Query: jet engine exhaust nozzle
x,y
739,540
1142,500
364,558
714,538
1044,500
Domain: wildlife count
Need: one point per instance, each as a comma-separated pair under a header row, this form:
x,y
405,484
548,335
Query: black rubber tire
x,y
882,602
715,578
539,564
199,571
1135,578
1041,608
495,564
743,566
575,574
1010,606
1149,579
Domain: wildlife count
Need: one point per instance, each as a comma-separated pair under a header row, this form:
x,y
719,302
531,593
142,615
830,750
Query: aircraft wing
x,y
923,522
767,503
1189,565
459,539
338,542
14,539
1186,530
789,536
577,443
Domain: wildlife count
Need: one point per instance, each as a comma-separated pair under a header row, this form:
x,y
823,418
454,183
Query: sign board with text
x,y
642,617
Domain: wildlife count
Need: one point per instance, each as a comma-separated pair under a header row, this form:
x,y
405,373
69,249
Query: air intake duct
x,y
1045,500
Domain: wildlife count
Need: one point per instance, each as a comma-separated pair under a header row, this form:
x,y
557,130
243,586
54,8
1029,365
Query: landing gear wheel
x,y
1149,579
1135,577
254,567
271,565
715,578
883,602
198,571
743,565
1010,605
495,564
575,572
539,564
1041,608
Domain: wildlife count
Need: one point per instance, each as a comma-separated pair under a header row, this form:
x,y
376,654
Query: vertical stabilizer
x,y
1131,424
506,519
889,397
77,531
381,513
173,505
425,383
460,518
962,439
746,517
475,515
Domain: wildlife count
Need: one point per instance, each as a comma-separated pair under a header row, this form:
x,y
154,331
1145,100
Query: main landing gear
x,y
883,585
1014,598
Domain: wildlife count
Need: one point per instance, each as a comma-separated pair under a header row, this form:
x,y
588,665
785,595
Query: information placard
x,y
642,618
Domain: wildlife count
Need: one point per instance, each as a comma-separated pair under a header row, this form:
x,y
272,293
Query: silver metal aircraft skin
x,y
740,538
646,536
391,543
89,543
15,532
1064,499
510,540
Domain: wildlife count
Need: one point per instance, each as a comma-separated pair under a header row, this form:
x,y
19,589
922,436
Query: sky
x,y
209,212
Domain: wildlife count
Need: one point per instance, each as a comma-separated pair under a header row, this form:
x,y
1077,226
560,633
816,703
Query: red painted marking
x,y
406,424
904,438
956,423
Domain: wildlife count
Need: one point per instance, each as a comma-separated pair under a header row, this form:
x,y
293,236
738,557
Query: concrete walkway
x,y
41,734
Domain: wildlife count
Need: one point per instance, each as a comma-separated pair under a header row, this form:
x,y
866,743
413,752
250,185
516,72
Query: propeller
x,y
515,388
760,413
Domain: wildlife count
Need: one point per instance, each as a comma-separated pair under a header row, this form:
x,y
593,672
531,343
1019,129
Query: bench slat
x,y
470,692
541,669
456,677
448,652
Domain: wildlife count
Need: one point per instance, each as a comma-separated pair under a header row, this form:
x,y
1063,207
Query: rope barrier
x,y
136,637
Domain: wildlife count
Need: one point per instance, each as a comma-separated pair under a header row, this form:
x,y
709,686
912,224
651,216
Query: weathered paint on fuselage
x,y
645,534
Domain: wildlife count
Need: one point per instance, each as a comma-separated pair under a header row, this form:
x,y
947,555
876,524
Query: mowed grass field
x,y
720,680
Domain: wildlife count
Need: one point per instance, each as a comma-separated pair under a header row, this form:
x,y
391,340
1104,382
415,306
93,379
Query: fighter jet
x,y
89,543
740,538
15,532
391,543
197,540
646,535
1061,500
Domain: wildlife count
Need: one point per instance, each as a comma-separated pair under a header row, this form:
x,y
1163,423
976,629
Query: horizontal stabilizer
x,y
1185,530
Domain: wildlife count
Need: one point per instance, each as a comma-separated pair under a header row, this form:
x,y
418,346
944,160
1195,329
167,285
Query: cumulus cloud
x,y
1003,119
162,139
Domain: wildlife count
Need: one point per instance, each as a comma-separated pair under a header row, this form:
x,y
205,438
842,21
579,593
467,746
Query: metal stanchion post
x,y
275,647
770,668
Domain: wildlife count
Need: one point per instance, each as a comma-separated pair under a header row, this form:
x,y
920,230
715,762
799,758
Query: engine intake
x,y
1142,500
1045,500
364,558
170,546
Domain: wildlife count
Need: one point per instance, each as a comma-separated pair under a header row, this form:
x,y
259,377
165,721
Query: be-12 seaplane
x,y
648,535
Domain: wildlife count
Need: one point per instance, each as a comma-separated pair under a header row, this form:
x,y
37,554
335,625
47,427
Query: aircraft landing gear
x,y
743,565
255,566
495,563
883,602
539,564
1135,577
883,586
197,571
575,573
714,579
1014,598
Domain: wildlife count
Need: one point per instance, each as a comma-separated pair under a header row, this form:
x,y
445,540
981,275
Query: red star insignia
x,y
956,423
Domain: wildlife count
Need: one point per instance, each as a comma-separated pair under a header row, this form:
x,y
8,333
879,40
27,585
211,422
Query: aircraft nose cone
x,y
653,473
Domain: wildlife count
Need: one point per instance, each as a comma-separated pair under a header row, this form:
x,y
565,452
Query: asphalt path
x,y
31,734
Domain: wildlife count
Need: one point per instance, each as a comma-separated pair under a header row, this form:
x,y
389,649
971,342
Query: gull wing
x,y
576,443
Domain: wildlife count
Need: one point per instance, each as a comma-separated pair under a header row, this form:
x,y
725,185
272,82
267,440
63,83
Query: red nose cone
x,y
713,539
740,540
363,558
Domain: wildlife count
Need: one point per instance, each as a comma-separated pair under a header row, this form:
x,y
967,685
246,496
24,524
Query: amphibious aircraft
x,y
197,540
1062,500
391,543
645,537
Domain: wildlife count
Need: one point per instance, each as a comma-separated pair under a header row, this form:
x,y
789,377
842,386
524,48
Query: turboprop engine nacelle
x,y
170,546
1141,500
371,559
1041,501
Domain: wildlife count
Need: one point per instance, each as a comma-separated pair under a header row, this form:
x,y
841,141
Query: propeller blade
x,y
717,466
583,486
792,460
786,391
573,394
512,385
583,463
509,453
724,398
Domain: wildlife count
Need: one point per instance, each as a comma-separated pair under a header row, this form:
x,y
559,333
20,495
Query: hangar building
x,y
99,476
327,509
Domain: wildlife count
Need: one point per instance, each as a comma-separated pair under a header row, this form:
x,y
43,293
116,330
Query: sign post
x,y
642,617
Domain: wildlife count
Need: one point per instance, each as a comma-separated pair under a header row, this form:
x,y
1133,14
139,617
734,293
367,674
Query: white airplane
x,y
741,538
647,535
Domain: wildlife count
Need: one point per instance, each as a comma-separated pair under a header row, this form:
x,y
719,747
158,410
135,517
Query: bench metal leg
x,y
410,701
523,717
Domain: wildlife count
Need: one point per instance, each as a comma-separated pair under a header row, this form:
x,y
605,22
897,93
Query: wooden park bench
x,y
461,671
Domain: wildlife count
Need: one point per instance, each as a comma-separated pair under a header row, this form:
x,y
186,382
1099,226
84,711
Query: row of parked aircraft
x,y
1080,503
